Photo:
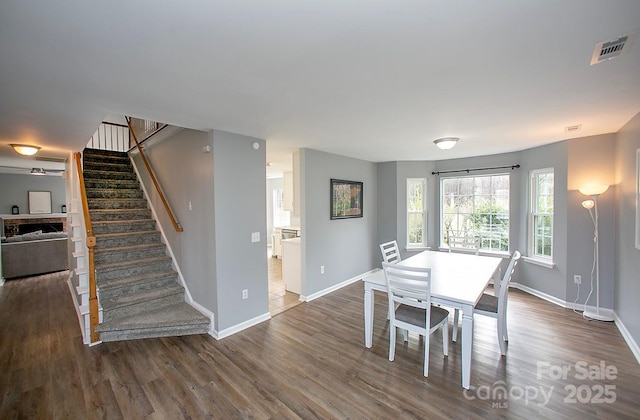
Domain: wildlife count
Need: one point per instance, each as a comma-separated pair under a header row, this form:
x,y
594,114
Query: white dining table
x,y
458,281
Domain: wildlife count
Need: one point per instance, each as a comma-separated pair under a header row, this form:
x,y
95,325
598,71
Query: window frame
x,y
423,183
532,213
443,245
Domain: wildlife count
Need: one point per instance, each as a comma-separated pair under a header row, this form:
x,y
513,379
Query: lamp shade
x,y
592,190
25,149
446,142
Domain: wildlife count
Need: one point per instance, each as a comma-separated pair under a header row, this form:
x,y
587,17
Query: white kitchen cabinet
x,y
291,265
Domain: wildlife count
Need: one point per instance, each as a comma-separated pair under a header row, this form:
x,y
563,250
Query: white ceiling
x,y
377,80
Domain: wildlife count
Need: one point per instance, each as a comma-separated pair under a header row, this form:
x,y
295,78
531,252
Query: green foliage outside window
x,y
477,207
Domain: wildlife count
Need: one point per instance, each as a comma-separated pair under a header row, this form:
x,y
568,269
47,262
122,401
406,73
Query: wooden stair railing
x,y
91,243
175,223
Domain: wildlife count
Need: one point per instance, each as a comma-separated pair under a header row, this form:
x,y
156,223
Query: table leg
x,y
467,344
368,317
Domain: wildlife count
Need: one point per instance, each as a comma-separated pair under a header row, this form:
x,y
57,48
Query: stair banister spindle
x,y
175,223
91,243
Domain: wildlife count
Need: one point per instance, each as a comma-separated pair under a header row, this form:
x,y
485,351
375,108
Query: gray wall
x,y
226,189
186,174
14,189
627,261
346,247
240,209
388,208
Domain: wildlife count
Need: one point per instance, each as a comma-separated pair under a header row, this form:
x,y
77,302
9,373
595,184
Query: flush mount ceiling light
x,y
25,149
446,142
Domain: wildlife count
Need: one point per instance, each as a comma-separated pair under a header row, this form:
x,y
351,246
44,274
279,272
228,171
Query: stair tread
x,y
140,296
130,248
120,221
117,211
125,234
175,315
134,263
132,280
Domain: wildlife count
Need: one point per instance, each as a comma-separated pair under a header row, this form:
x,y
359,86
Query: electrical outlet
x,y
577,279
245,294
322,269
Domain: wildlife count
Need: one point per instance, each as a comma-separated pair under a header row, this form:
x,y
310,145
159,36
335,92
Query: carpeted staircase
x,y
138,289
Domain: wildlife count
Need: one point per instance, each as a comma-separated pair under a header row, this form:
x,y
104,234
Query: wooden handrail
x,y
175,223
91,243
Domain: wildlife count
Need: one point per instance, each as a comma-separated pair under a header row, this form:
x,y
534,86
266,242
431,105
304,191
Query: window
x,y
541,214
280,216
416,212
476,207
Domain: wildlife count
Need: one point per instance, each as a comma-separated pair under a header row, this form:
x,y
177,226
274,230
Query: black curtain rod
x,y
512,167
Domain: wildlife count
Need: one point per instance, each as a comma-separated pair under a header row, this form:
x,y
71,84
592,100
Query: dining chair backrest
x,y
504,284
408,286
464,244
390,252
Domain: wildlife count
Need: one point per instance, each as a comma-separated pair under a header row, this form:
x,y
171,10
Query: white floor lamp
x,y
592,206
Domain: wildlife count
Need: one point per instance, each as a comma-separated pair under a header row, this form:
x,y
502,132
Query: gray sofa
x,y
32,254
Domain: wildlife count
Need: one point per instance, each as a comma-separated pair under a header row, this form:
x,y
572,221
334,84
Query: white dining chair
x,y
468,244
410,289
390,252
494,306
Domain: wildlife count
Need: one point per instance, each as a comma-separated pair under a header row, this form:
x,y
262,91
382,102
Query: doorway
x,y
280,299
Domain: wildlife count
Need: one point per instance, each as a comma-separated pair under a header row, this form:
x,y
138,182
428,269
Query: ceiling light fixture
x,y
25,149
446,143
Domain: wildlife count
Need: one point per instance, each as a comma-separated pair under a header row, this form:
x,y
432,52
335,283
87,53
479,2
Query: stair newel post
x,y
176,224
94,317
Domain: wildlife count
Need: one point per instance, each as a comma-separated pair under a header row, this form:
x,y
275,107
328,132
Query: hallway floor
x,y
279,299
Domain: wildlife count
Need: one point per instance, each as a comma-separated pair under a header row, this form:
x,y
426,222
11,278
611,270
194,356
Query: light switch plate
x,y
255,237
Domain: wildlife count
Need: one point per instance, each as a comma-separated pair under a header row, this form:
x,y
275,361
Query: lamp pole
x,y
590,313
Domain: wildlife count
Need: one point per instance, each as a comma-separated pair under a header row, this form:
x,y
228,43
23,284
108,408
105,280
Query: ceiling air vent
x,y
612,48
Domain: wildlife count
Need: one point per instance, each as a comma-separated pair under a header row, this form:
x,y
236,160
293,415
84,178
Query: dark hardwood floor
x,y
308,362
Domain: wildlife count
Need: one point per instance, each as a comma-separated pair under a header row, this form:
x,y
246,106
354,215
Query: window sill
x,y
499,254
417,248
541,263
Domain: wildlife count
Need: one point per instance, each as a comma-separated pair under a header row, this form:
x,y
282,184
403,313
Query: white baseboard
x,y
219,335
539,294
635,349
633,346
203,311
336,287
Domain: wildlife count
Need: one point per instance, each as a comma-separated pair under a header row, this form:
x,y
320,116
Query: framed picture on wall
x,y
346,199
39,202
